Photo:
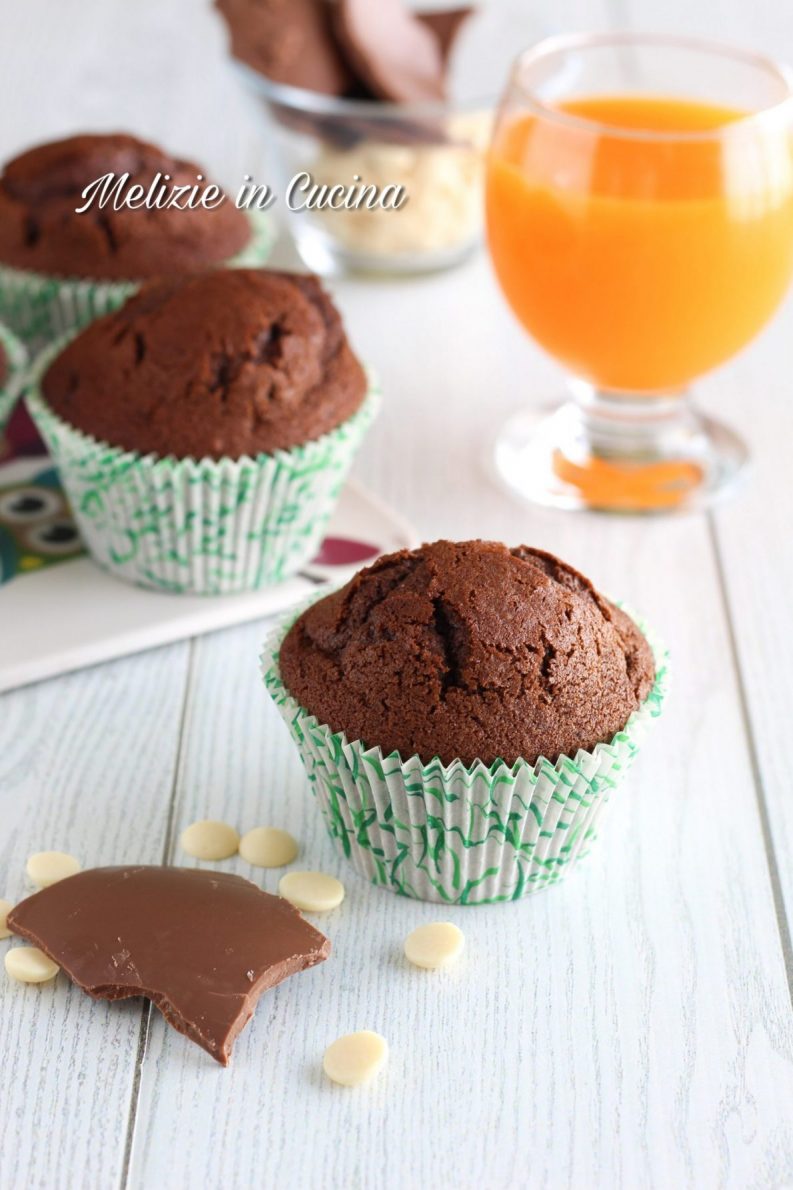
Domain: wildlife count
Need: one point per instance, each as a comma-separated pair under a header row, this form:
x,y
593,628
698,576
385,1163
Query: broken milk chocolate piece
x,y
391,51
202,945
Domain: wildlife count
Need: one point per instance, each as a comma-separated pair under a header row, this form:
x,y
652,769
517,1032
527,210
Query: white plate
x,y
58,615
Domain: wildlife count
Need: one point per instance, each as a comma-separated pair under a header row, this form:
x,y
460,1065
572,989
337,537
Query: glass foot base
x,y
620,455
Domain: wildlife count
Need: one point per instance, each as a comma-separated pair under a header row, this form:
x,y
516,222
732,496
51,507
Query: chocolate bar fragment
x,y
201,945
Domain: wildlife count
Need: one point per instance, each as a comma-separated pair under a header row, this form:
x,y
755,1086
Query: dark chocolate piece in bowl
x,y
446,25
201,945
41,192
397,57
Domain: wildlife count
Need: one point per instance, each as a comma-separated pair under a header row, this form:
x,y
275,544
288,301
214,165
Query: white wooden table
x,y
629,1028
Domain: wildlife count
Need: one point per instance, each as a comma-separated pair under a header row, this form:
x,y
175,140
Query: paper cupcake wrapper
x,y
458,834
16,361
203,527
40,308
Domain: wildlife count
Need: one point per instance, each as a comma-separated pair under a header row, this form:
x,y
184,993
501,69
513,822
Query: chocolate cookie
x,y
469,650
40,230
229,363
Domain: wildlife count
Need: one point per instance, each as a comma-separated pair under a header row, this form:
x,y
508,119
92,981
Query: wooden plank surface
x,y
630,1028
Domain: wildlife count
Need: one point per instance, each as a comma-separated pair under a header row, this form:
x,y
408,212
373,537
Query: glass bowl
x,y
434,151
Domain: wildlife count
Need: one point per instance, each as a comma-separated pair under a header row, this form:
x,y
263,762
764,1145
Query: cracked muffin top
x,y
227,363
40,230
469,650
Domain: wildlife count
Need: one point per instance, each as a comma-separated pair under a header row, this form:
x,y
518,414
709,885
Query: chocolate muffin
x,y
41,232
225,364
469,650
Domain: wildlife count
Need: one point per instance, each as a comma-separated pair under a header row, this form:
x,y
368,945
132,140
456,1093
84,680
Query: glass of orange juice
x,y
640,222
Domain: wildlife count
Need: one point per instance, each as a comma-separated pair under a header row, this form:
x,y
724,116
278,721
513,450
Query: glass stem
x,y
622,426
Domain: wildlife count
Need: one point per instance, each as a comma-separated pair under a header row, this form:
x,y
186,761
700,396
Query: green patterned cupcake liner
x,y
16,359
40,308
457,834
202,527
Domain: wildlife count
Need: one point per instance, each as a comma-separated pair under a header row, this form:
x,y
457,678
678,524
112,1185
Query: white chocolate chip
x,y
48,867
209,839
434,945
5,909
355,1058
443,181
312,891
28,964
268,847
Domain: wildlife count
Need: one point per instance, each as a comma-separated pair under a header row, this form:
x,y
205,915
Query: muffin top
x,y
469,650
226,363
41,231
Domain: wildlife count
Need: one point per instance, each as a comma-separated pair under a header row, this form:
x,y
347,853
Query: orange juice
x,y
641,262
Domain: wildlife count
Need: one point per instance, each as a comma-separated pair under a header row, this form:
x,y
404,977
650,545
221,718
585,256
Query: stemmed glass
x,y
640,222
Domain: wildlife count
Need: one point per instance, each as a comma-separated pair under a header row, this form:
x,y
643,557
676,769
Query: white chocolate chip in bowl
x,y
313,892
268,847
434,945
48,867
209,839
5,909
28,964
355,1058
